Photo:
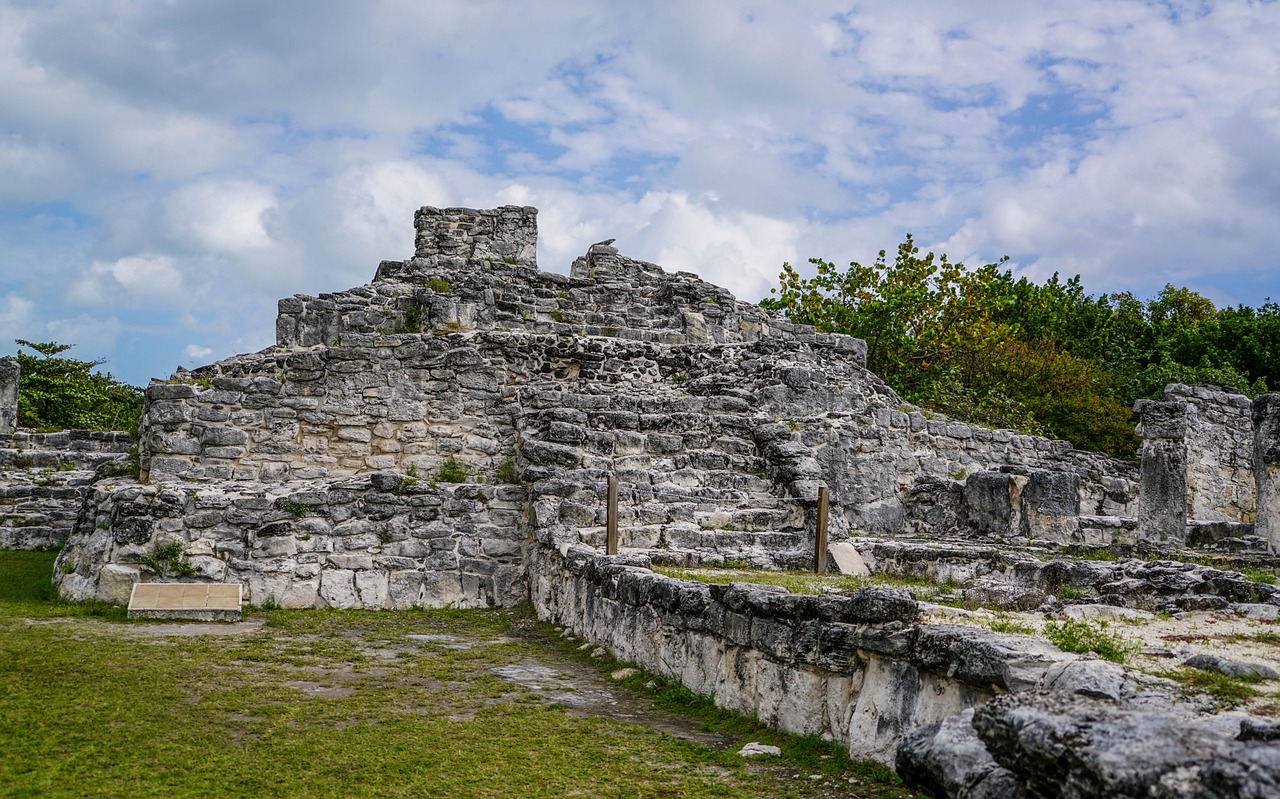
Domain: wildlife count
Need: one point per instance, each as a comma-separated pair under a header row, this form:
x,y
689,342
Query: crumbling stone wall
x,y
1219,441
1266,467
1197,464
381,541
44,478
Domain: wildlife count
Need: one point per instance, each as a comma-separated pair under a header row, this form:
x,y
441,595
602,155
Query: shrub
x,y
58,393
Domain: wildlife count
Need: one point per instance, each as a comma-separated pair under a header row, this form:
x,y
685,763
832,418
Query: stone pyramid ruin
x,y
404,441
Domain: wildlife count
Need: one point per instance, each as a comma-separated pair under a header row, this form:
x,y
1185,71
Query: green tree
x,y
60,393
975,343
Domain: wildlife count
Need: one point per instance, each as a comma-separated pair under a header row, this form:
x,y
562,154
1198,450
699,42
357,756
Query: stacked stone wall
x,y
382,541
721,421
857,668
44,478
1219,441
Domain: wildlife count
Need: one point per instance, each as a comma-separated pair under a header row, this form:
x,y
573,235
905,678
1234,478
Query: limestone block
x,y
405,589
373,588
337,588
115,582
442,590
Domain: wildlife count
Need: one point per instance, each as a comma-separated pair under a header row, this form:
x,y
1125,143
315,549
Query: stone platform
x,y
196,601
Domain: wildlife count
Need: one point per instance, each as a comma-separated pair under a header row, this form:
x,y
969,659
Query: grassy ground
x,y
805,582
348,704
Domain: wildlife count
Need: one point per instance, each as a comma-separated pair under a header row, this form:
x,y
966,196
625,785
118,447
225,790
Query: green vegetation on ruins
x,y
361,703
1049,359
806,582
61,393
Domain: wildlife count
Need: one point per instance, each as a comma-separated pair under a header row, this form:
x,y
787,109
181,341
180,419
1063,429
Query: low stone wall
x,y
382,541
44,478
857,668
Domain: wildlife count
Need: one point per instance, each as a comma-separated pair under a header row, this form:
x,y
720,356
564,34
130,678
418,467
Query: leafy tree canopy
x,y
1046,358
60,393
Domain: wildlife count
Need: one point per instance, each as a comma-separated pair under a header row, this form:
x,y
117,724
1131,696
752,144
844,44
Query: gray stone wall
x,y
720,420
857,668
382,541
44,478
1219,440
1266,467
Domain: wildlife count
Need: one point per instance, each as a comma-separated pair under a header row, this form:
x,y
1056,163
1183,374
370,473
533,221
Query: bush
x,y
57,393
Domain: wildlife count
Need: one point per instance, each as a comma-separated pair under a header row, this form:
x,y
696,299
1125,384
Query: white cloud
x,y
221,217
130,281
196,353
209,158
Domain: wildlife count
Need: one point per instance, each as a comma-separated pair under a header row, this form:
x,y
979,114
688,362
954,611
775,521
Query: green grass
x,y
1260,575
1228,691
1081,636
342,703
804,582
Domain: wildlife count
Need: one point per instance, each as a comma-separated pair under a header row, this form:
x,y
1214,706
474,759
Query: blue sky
x,y
169,170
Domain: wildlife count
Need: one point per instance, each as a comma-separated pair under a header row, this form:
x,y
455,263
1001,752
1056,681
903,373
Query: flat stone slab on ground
x,y
199,601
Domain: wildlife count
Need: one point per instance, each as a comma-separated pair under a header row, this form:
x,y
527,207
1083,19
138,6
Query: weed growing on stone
x,y
1082,637
166,559
409,480
1226,690
507,471
296,508
797,582
1003,623
439,285
132,467
1069,592
1260,575
1088,553
453,471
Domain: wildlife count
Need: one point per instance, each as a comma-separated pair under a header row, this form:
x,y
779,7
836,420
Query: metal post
x,y
820,540
611,523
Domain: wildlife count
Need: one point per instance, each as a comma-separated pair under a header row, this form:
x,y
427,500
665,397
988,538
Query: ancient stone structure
x,y
443,436
962,711
466,375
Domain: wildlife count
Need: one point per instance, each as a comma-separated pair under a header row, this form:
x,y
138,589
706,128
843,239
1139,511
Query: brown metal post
x,y
611,522
820,540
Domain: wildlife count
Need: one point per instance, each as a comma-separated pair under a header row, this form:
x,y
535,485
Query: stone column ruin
x,y
1162,481
1266,467
9,373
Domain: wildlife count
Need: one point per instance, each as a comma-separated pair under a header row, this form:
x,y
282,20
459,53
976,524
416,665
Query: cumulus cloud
x,y
171,169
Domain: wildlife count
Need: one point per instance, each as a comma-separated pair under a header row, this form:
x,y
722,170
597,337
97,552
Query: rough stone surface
x,y
1266,467
1074,746
948,759
10,373
44,479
